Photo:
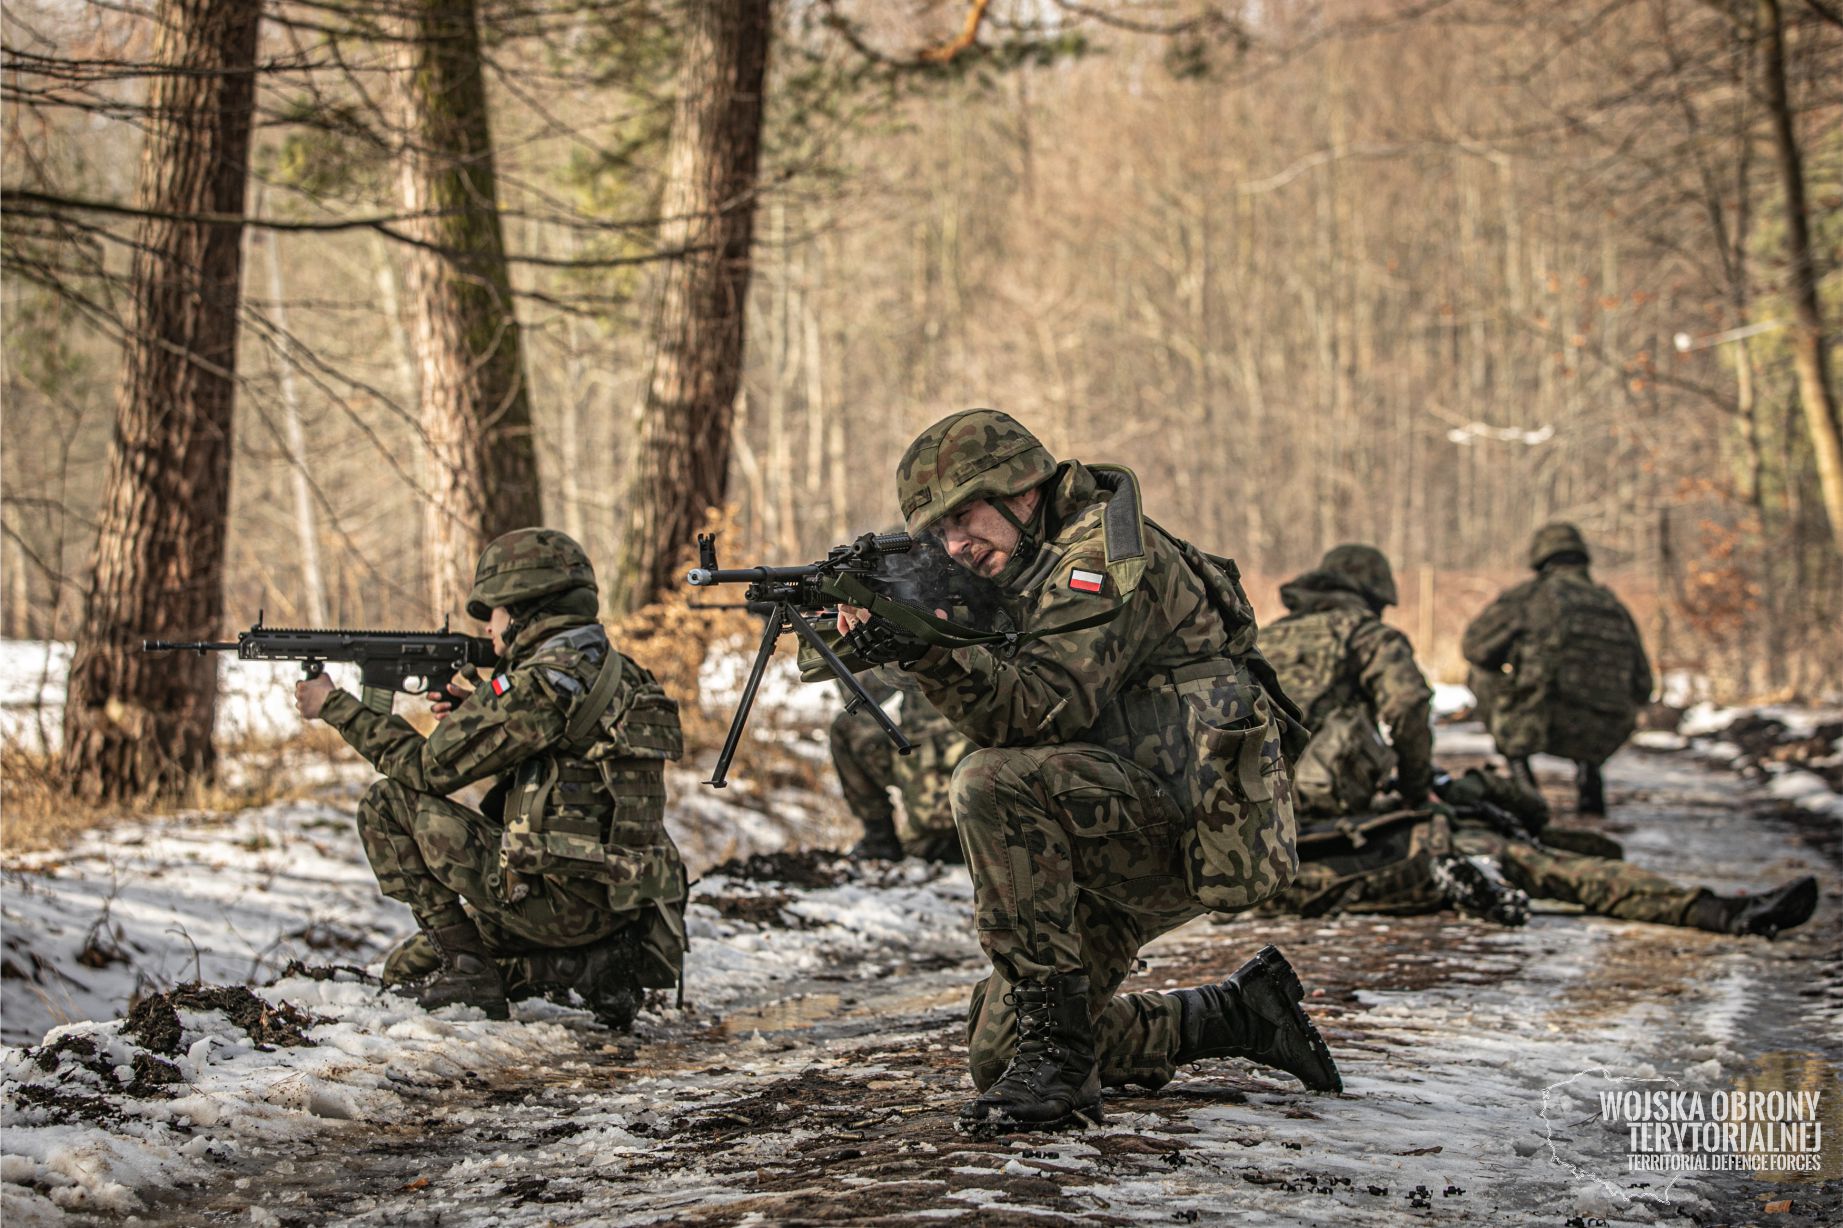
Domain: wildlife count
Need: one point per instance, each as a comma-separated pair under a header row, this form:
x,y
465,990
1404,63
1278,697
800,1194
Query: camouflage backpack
x,y
1585,648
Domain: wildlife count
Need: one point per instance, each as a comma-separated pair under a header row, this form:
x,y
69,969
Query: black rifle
x,y
784,597
414,662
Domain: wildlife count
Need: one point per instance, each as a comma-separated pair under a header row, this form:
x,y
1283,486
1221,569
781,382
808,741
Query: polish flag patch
x,y
1085,581
501,685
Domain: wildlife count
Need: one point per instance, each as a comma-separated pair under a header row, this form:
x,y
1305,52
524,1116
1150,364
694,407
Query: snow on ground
x,y
848,997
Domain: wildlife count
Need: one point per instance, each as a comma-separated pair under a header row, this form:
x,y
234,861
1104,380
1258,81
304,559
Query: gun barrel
x,y
198,646
703,577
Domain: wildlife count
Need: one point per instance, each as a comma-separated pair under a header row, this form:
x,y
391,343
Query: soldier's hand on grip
x,y
879,641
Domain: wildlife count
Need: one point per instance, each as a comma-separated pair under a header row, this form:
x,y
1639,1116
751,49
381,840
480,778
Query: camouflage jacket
x,y
1559,665
1055,689
592,808
1333,654
1167,683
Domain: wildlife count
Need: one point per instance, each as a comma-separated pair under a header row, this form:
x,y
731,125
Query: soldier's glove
x,y
878,641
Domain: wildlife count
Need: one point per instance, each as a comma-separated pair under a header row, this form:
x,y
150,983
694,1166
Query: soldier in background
x,y
565,878
1558,666
1129,776
869,767
1481,849
1347,669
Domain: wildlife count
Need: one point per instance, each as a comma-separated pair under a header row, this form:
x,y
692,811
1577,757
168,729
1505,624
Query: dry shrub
x,y
38,811
672,639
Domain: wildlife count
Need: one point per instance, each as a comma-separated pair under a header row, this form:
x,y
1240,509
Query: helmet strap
x,y
1026,548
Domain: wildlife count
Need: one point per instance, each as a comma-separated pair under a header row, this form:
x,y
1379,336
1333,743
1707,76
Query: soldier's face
x,y
497,624
978,538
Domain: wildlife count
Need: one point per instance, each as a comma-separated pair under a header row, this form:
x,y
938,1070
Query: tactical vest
x,y
593,805
1347,760
1311,654
1214,728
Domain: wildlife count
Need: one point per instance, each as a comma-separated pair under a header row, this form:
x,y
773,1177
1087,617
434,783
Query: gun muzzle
x,y
700,577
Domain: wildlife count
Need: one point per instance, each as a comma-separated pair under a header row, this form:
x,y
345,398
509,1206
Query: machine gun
x,y
414,662
785,597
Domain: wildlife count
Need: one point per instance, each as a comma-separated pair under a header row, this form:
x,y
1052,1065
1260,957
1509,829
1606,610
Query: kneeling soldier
x,y
565,878
1129,777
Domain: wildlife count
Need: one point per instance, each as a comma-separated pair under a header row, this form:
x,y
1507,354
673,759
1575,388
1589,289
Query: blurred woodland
x,y
305,300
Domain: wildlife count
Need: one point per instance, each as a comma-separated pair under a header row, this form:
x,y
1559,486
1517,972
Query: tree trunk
x,y
1808,353
133,724
476,409
682,469
306,527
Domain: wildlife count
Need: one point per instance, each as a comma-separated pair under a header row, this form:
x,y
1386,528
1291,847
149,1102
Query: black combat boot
x,y
1255,1014
1052,1080
1521,773
1766,914
1592,787
879,842
467,976
1476,887
601,974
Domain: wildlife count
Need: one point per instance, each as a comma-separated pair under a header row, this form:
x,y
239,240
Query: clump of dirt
x,y
152,1075
61,1105
767,909
154,1020
805,868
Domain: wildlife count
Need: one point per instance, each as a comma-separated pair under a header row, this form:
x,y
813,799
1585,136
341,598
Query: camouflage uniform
x,y
1558,666
868,766
569,847
1387,864
1346,669
1129,774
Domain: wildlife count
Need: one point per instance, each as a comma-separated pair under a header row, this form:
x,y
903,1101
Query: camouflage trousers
x,y
433,853
868,767
1075,859
1601,885
1390,874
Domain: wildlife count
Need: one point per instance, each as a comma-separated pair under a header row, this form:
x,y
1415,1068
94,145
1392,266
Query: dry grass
x,y
38,813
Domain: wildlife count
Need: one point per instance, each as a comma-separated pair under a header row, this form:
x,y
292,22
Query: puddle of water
x,y
787,1015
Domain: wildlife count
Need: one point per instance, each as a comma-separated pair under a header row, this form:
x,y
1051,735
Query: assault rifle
x,y
785,598
414,662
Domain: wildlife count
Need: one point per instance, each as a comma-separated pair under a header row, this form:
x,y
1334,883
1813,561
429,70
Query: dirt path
x,y
834,1102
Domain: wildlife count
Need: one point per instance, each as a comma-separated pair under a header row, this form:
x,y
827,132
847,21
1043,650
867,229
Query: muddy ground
x,y
834,1103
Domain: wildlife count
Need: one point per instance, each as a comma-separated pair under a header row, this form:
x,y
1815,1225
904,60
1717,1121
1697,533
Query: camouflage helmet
x,y
974,454
1553,539
1365,569
524,564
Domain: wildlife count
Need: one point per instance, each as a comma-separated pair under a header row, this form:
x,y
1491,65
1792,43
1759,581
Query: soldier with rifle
x,y
565,878
1129,774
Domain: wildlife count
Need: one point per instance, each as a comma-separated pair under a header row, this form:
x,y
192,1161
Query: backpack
x,y
1586,650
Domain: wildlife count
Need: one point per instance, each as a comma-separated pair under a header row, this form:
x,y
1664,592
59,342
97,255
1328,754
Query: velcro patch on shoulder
x,y
1087,581
568,684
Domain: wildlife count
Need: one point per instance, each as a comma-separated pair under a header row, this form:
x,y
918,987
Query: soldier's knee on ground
x,y
991,1037
412,958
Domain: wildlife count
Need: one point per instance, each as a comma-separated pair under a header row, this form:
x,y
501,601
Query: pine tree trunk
x,y
136,725
682,468
476,409
1808,350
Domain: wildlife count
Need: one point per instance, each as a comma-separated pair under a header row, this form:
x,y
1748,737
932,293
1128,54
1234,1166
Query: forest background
x,y
1422,273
